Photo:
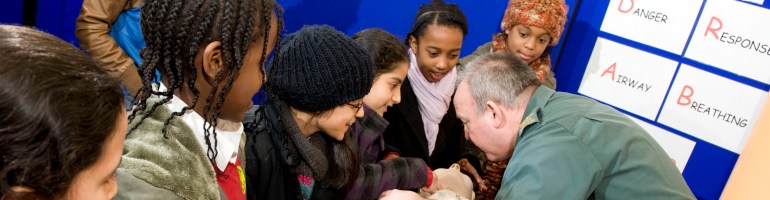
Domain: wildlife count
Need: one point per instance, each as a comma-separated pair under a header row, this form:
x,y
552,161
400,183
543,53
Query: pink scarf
x,y
433,98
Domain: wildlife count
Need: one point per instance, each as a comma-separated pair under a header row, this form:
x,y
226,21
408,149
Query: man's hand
x,y
467,168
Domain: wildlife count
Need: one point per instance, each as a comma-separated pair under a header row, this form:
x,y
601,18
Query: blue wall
x,y
396,16
58,17
349,16
11,12
53,16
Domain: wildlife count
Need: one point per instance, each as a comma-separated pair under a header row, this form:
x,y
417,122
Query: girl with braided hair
x,y
185,134
424,124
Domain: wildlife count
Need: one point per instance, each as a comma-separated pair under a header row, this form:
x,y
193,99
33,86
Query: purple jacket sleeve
x,y
398,173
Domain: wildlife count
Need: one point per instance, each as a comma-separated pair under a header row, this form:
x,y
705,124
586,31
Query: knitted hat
x,y
319,68
546,14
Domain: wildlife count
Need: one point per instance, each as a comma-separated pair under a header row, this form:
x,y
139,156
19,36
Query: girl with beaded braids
x,y
424,124
297,147
185,135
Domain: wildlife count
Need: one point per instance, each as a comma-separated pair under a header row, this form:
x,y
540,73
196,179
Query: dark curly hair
x,y
384,48
439,13
57,109
175,30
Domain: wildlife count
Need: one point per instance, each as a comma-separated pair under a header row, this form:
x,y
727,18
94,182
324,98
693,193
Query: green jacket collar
x,y
536,102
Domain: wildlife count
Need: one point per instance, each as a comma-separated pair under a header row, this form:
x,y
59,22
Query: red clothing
x,y
232,181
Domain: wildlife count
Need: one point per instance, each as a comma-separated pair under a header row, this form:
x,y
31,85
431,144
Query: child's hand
x,y
467,168
391,155
435,185
400,195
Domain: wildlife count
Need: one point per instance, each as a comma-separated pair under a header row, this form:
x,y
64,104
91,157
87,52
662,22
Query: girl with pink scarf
x,y
424,124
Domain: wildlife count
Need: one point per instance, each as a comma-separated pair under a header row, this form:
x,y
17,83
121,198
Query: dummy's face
x,y
527,42
386,89
437,51
98,180
337,121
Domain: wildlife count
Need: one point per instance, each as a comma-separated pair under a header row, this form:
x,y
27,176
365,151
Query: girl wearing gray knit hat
x,y
296,148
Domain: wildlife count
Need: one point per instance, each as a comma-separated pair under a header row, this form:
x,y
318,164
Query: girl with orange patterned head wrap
x,y
529,28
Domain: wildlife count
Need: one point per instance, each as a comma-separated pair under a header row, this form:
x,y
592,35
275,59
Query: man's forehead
x,y
462,94
459,92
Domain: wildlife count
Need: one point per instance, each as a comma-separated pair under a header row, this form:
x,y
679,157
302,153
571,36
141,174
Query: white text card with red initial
x,y
710,107
627,78
662,24
734,36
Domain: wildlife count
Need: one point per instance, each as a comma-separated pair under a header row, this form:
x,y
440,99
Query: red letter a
x,y
610,70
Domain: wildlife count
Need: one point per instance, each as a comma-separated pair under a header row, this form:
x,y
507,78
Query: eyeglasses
x,y
357,106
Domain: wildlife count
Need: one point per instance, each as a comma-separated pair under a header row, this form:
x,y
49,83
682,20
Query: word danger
x,y
643,13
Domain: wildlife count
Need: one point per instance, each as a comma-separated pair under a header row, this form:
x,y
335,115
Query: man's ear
x,y
493,110
212,61
413,44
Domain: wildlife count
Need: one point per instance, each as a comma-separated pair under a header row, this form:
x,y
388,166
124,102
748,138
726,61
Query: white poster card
x,y
659,23
734,36
627,78
712,108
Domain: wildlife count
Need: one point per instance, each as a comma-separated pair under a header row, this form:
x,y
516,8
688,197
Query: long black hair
x,y
384,48
439,13
57,110
175,30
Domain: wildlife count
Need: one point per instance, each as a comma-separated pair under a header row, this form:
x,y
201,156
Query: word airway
x,y
633,83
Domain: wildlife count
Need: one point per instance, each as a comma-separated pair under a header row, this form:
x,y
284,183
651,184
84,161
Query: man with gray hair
x,y
561,146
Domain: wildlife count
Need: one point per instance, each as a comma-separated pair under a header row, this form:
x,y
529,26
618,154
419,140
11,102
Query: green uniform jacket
x,y
571,147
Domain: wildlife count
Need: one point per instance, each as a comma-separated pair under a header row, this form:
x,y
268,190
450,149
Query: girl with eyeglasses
x,y
296,144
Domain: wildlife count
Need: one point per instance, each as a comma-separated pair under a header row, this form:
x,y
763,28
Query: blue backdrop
x,y
708,168
349,16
